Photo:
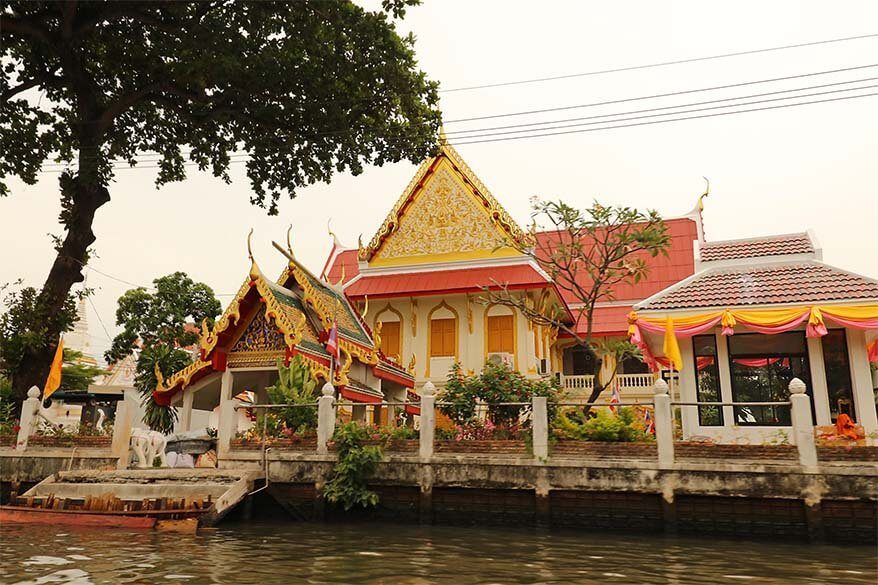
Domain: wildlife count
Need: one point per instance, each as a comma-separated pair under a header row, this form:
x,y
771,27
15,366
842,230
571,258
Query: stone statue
x,y
147,446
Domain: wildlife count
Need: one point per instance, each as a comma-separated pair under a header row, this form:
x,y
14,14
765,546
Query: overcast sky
x,y
776,171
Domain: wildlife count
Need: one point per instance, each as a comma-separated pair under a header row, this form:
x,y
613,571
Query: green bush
x,y
8,416
295,386
495,384
601,425
356,464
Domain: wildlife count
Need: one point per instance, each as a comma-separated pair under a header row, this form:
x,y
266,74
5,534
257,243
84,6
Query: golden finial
x,y
443,139
289,242
160,380
360,241
366,308
341,280
412,363
705,194
249,248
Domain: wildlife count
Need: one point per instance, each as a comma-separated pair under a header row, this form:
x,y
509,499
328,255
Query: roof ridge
x,y
758,239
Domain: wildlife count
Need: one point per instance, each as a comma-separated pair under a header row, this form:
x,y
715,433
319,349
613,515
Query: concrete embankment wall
x,y
835,502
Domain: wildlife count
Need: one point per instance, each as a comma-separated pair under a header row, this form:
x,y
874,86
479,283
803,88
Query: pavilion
x,y
757,313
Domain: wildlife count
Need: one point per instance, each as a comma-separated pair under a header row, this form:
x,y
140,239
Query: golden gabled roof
x,y
497,213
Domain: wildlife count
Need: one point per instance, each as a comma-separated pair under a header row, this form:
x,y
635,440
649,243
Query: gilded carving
x,y
443,219
469,313
414,317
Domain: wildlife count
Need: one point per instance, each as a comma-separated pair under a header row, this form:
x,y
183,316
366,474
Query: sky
x,y
777,171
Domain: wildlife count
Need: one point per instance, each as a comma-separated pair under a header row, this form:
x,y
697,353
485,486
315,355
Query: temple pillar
x,y
819,389
725,379
861,380
186,413
228,417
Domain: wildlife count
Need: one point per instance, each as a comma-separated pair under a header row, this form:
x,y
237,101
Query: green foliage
x,y
25,325
8,414
601,425
165,316
356,464
295,386
77,376
495,384
169,360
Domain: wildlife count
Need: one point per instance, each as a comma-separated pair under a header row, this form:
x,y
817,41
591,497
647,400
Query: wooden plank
x,y
105,513
185,526
25,516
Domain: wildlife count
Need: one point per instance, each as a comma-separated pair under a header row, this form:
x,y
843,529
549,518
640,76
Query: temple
x,y
721,321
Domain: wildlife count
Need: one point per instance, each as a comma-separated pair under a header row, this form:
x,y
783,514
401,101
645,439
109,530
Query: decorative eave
x,y
496,211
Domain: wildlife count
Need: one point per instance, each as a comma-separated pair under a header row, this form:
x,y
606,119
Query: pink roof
x,y
445,281
757,247
346,258
796,282
605,321
663,270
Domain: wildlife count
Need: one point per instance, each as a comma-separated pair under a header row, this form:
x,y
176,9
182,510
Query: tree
x,y
25,324
305,89
159,324
587,253
166,316
77,375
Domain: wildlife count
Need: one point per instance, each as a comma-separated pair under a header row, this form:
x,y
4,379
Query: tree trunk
x,y
85,194
597,387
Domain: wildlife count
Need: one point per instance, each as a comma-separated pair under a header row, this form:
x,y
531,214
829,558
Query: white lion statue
x,y
147,446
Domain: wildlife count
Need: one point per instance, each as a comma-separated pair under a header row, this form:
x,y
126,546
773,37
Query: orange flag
x,y
671,348
54,379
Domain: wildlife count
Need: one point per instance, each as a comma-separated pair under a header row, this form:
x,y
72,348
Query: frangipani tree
x,y
587,253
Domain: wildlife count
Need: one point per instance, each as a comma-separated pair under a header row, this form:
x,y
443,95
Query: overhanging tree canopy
x,y
306,89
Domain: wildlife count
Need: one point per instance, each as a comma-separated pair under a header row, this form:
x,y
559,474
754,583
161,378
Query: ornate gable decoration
x,y
261,335
445,214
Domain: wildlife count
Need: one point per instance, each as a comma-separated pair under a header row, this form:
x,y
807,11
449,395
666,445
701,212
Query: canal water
x,y
266,553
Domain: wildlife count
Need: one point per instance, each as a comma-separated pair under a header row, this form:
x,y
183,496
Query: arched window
x,y
443,331
391,332
500,329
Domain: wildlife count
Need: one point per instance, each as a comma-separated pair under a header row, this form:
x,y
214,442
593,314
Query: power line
x,y
667,121
59,167
98,315
660,64
752,95
674,113
660,95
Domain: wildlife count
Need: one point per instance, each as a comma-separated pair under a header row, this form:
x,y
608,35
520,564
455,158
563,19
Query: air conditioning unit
x,y
498,358
543,366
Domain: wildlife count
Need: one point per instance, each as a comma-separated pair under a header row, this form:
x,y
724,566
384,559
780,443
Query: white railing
x,y
622,381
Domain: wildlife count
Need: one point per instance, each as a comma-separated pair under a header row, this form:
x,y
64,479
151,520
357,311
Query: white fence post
x,y
325,418
122,431
803,428
30,409
540,427
428,421
664,424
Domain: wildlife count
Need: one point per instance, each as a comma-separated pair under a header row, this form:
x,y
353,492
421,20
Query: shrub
x,y
602,425
356,464
295,386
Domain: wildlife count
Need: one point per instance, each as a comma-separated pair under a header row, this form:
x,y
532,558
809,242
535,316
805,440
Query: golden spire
x,y
254,268
443,140
289,243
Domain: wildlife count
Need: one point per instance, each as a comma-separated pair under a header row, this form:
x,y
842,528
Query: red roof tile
x,y
605,321
800,282
346,258
445,281
663,270
757,247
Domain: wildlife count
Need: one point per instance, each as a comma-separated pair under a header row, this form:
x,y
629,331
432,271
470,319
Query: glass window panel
x,y
838,374
758,344
707,380
762,367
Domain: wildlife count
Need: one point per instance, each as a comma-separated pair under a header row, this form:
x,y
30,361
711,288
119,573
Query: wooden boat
x,y
173,514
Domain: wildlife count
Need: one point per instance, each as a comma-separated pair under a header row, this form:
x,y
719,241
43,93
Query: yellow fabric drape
x,y
766,317
53,381
671,348
862,312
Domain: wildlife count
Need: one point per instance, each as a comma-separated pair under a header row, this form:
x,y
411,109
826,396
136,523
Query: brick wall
x,y
490,447
602,450
684,450
71,441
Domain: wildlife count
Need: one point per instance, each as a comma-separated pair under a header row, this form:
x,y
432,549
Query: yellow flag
x,y
671,348
54,379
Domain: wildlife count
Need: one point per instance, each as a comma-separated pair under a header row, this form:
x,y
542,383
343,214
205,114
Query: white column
x,y
803,430
186,414
28,421
664,424
428,421
325,417
125,410
228,417
688,389
819,389
861,379
540,428
725,379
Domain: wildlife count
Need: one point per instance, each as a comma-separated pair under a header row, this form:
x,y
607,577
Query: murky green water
x,y
395,554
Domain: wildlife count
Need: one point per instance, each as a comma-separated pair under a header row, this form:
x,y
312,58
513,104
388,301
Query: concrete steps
x,y
224,488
